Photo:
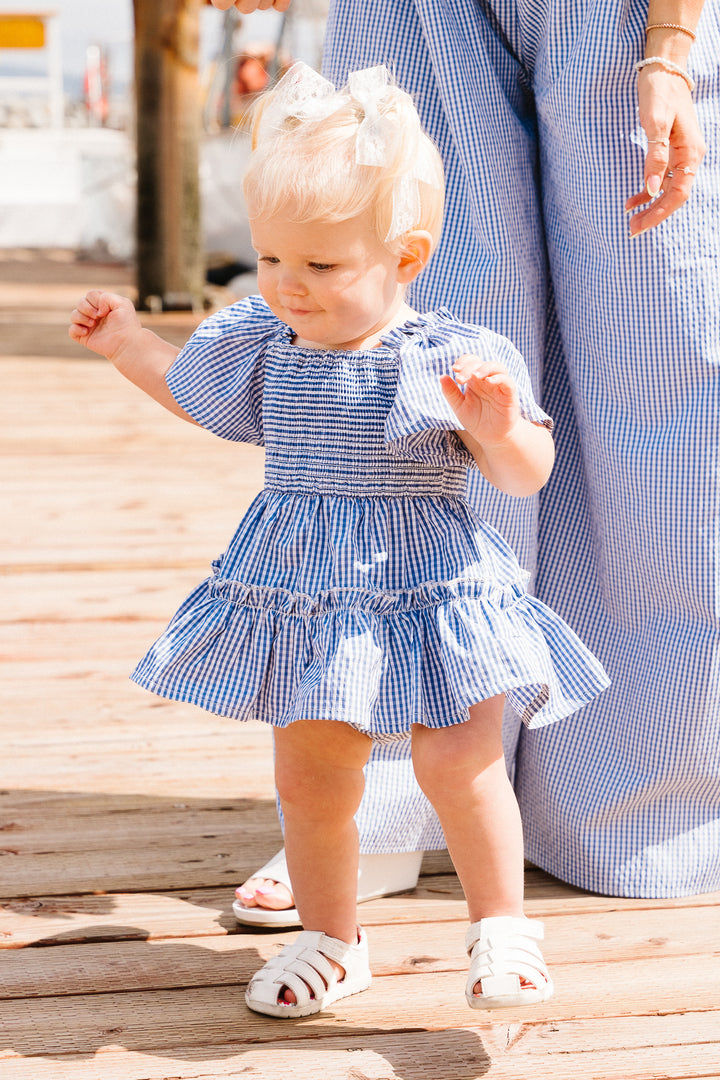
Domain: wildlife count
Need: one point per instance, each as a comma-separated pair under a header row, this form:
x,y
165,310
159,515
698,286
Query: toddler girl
x,y
362,597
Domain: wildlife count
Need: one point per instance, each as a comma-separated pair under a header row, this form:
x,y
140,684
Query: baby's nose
x,y
290,284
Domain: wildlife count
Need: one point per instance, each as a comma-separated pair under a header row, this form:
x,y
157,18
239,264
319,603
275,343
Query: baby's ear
x,y
414,254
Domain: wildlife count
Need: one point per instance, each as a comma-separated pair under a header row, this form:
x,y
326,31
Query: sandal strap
x,y
378,875
499,928
276,869
332,947
304,966
503,949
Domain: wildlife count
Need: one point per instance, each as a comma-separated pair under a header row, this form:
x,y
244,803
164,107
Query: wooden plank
x,y
147,860
191,825
214,1016
26,300
67,594
110,917
32,919
93,395
146,532
437,898
70,642
662,1048
196,944
34,339
122,712
84,517
355,1063
156,763
143,842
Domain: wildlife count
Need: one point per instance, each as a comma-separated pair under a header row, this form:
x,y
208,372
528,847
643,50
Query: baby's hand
x,y
484,397
104,322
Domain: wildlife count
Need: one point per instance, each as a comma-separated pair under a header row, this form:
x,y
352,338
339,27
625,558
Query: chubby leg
x,y
395,822
319,778
318,773
462,771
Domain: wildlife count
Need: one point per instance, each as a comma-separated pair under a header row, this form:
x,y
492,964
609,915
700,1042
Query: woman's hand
x,y
675,147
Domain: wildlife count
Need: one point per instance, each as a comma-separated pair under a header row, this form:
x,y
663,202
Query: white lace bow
x,y
303,94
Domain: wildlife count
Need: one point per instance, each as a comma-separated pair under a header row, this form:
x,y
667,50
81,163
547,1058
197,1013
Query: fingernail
x,y
653,185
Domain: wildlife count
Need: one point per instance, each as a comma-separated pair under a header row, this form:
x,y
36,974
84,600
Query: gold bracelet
x,y
670,26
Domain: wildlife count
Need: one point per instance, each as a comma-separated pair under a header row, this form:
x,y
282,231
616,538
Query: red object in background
x,y
251,75
96,85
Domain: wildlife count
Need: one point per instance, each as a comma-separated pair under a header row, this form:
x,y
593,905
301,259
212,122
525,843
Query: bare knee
x,y
437,761
447,761
319,766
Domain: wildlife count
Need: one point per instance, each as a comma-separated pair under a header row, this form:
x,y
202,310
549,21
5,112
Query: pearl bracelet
x,y
667,65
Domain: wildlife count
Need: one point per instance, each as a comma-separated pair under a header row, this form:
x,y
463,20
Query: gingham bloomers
x,y
360,586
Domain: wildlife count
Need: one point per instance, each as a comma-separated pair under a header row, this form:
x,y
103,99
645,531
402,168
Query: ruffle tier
x,y
377,661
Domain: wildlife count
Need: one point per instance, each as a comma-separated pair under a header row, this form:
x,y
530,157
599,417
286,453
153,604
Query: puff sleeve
x,y
421,425
218,376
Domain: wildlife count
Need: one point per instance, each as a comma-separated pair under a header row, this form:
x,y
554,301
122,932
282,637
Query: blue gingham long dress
x,y
360,586
533,106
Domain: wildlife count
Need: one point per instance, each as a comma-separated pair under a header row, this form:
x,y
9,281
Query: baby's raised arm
x,y
108,324
513,453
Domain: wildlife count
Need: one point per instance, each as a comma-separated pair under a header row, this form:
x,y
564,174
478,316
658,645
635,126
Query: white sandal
x,y
503,950
378,875
304,968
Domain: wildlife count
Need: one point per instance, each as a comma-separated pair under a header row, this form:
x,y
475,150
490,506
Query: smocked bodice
x,y
324,418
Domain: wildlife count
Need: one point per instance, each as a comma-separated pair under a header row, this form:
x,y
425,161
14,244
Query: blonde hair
x,y
306,146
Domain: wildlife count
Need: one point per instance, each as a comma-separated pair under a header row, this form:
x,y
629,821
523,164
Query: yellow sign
x,y
21,32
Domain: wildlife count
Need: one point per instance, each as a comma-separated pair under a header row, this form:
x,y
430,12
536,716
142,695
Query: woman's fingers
x,y
675,148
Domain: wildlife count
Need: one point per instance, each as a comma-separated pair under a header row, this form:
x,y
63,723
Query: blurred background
x,y
123,132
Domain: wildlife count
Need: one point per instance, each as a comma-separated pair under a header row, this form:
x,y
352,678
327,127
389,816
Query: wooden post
x,y
170,263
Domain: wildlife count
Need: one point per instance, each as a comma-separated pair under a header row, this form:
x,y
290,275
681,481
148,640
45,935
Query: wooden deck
x,y
125,821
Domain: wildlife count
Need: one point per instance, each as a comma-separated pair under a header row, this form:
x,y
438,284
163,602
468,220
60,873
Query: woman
x,y
547,130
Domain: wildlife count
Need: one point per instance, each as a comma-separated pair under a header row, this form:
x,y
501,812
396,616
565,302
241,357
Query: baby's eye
x,y
269,259
322,267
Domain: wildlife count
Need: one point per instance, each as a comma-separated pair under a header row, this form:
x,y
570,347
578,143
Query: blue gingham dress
x,y
533,105
360,586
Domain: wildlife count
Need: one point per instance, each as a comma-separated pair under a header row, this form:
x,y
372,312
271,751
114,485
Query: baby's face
x,y
335,284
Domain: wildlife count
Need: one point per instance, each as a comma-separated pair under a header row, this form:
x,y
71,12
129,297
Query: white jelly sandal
x,y
304,967
378,875
503,950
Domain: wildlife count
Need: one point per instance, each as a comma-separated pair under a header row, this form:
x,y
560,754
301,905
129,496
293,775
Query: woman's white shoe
x,y
506,963
378,875
304,967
